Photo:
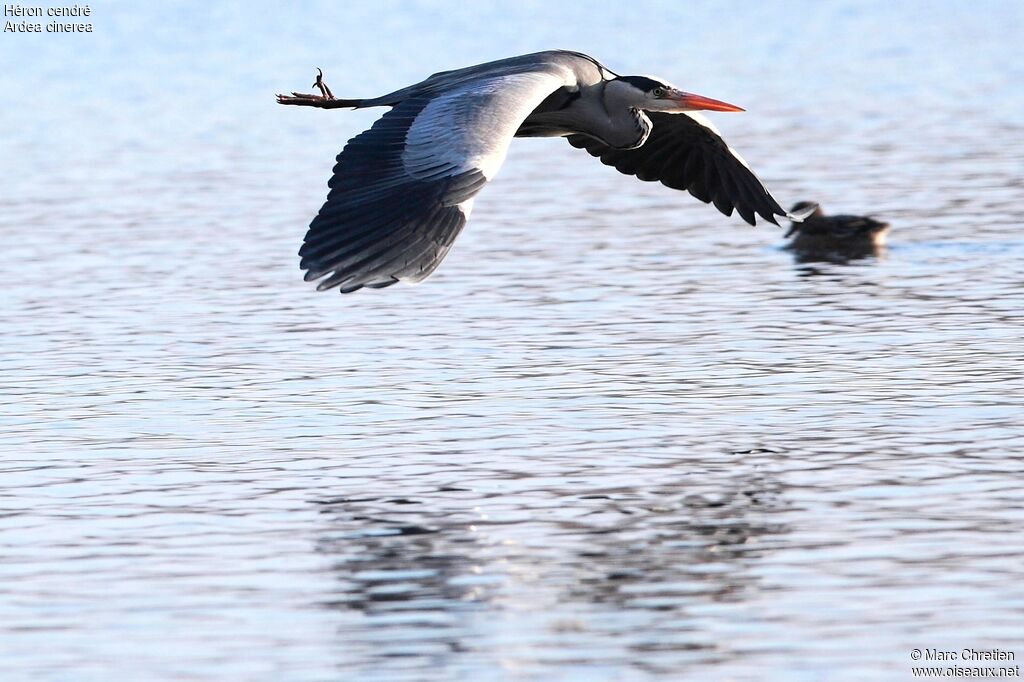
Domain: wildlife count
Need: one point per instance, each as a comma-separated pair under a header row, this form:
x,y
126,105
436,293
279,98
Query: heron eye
x,y
658,92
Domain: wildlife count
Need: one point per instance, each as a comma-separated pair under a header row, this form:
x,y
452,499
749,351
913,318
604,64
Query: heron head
x,y
651,94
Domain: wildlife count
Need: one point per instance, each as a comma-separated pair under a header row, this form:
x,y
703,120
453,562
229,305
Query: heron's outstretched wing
x,y
403,189
685,151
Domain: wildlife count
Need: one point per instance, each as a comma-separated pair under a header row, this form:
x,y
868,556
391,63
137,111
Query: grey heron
x,y
402,191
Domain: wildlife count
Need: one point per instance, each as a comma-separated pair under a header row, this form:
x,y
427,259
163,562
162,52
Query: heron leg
x,y
325,100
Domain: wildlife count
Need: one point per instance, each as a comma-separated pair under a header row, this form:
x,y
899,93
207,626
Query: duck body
x,y
838,233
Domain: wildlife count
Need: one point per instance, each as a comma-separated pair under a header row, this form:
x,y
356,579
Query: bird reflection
x,y
378,553
431,576
838,239
404,582
701,547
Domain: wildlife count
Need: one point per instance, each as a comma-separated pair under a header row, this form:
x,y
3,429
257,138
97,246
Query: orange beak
x,y
690,102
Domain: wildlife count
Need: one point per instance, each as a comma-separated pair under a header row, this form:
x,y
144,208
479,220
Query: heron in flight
x,y
403,190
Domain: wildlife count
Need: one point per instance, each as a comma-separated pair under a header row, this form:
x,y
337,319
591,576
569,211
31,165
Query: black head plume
x,y
642,82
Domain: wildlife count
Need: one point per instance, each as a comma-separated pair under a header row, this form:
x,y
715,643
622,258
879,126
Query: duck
x,y
848,235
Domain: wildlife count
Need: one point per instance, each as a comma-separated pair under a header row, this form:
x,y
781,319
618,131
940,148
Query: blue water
x,y
616,436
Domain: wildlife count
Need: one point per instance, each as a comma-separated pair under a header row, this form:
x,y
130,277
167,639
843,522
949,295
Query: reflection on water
x,y
615,436
809,259
599,562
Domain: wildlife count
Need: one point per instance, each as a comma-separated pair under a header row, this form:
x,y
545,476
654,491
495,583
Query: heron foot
x,y
324,99
324,90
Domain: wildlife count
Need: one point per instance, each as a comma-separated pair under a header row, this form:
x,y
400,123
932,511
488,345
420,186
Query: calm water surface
x,y
617,436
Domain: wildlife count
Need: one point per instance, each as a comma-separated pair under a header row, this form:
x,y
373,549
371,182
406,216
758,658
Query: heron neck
x,y
642,126
623,126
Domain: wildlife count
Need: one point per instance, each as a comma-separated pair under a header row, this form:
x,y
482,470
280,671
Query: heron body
x,y
403,190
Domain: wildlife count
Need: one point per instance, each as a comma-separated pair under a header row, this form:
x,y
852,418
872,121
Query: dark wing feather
x,y
684,151
402,190
380,224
